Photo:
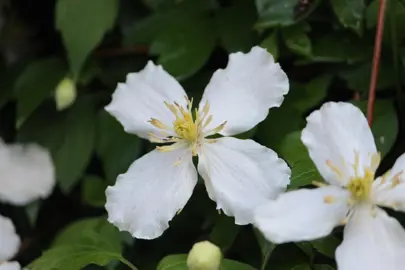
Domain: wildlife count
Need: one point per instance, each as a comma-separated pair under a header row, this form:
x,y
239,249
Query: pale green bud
x,y
65,94
204,256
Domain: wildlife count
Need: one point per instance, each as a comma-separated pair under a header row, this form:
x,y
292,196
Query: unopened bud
x,y
204,256
65,94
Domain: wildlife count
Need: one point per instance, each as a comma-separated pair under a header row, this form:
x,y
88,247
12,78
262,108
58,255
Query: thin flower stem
x,y
376,61
128,263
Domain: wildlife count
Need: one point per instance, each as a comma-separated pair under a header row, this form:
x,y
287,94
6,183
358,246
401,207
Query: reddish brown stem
x,y
376,61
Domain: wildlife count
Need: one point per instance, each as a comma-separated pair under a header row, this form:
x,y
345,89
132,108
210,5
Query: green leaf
x,y
73,155
224,232
116,148
91,249
37,81
69,136
350,13
270,43
266,248
235,26
358,77
179,262
75,233
302,167
340,48
323,267
179,46
282,13
93,191
326,245
385,124
312,93
297,40
83,25
32,211
302,267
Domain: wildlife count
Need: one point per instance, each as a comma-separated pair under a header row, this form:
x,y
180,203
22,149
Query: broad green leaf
x,y
69,136
75,233
302,267
38,80
282,13
270,43
358,77
83,25
179,262
73,155
297,40
385,124
266,248
340,48
179,46
295,153
312,93
323,267
326,245
235,26
116,148
91,248
93,191
224,232
350,13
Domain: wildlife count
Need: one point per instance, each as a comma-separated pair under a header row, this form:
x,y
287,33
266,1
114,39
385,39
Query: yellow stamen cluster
x,y
185,126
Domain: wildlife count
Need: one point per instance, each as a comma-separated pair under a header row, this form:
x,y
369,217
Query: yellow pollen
x,y
186,127
329,199
360,186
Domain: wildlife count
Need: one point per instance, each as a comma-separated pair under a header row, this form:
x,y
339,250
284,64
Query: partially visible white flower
x,y
204,256
9,244
342,147
239,174
26,173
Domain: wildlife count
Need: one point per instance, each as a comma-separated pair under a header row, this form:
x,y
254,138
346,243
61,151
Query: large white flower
x,y
26,173
9,244
342,147
238,174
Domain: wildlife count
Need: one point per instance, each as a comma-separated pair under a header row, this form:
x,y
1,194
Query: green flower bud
x,y
65,94
204,256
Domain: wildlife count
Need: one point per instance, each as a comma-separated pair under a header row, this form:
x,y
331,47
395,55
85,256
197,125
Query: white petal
x,y
336,133
26,173
9,240
240,175
149,194
10,266
387,191
245,90
372,241
302,215
142,97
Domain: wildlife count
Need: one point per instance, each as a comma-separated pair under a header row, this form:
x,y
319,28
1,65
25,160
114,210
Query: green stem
x,y
128,263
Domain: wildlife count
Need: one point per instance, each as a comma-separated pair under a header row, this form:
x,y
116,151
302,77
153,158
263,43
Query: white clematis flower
x,y
342,147
26,173
9,244
238,174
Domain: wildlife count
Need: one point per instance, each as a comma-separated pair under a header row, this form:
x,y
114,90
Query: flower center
x,y
360,187
185,127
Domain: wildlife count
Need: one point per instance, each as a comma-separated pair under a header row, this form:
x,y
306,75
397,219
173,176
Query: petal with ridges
x,y
9,240
244,91
389,189
338,134
240,175
149,194
142,97
302,215
372,241
26,173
